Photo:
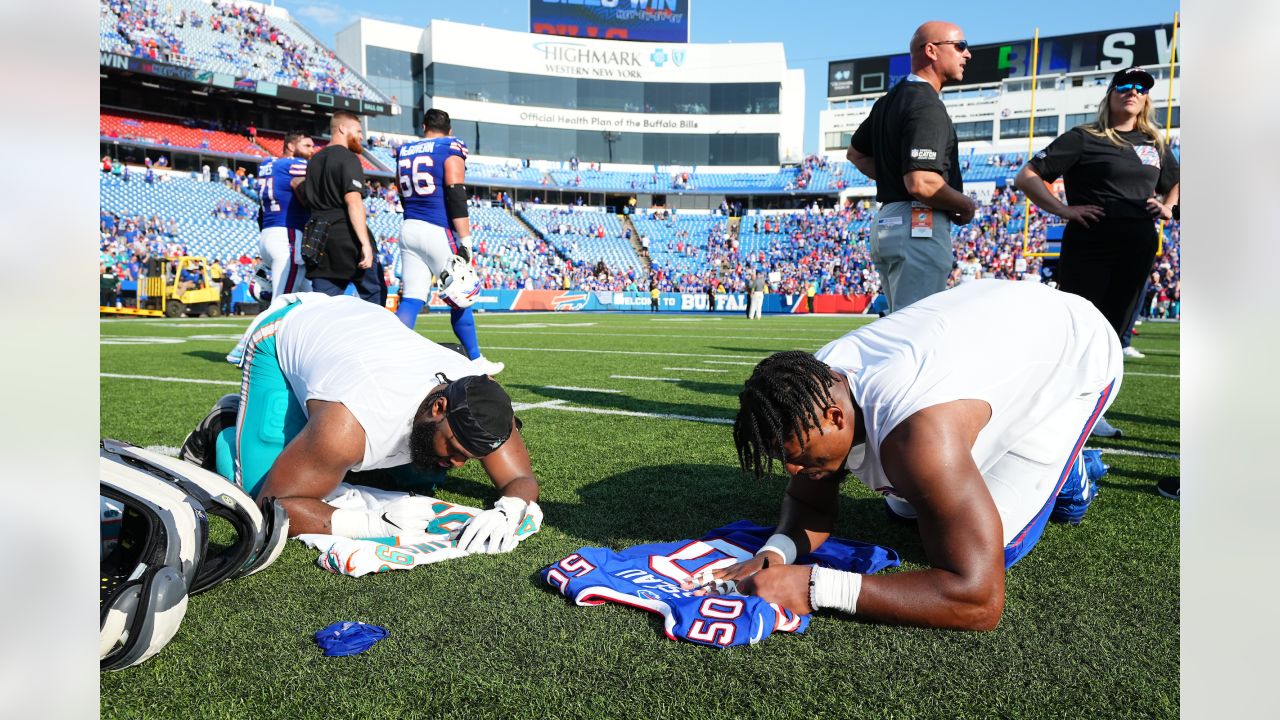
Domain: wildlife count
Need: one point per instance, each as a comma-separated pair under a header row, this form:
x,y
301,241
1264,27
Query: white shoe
x,y
1132,352
1105,429
488,367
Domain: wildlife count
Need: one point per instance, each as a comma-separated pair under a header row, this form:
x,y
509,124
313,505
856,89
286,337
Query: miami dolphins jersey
x,y
649,577
420,169
276,193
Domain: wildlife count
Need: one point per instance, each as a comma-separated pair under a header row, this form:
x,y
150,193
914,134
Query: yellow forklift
x,y
172,289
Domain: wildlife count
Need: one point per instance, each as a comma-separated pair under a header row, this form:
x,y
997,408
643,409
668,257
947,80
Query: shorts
x,y
425,249
270,413
1026,490
281,251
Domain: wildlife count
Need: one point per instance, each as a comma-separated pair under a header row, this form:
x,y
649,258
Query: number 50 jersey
x,y
420,170
648,577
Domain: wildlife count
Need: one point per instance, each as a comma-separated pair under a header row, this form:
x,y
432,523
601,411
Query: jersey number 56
x,y
415,175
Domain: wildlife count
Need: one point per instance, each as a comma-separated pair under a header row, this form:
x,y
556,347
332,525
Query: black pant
x,y
1108,265
369,285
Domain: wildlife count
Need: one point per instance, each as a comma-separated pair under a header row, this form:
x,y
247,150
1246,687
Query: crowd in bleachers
x,y
586,248
242,40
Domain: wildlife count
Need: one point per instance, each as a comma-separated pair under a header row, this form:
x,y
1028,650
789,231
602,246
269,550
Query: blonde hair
x,y
1146,123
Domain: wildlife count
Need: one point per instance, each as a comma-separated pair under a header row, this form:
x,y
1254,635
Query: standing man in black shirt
x,y
334,190
1120,178
908,146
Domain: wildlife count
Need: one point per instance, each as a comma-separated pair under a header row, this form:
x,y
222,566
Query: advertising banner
x,y
1105,50
640,302
649,20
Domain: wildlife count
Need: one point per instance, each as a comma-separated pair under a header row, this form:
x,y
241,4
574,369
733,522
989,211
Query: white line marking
x,y
697,369
812,338
621,352
171,379
728,362
1127,374
163,450
580,389
630,413
1162,352
1139,453
520,407
642,377
150,340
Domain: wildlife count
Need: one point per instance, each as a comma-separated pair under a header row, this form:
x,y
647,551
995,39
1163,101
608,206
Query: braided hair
x,y
784,398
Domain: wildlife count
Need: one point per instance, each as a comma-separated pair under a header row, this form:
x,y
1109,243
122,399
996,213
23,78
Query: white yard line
x,y
521,407
643,377
562,405
171,379
710,370
821,339
1138,453
728,362
580,389
620,352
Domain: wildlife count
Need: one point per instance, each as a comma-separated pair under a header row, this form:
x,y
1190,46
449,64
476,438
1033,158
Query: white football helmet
x,y
155,546
260,283
460,283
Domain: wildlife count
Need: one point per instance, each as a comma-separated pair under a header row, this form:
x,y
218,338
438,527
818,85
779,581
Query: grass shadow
x,y
210,355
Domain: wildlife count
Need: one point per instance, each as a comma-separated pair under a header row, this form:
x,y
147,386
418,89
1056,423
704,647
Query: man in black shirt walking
x,y
908,146
334,190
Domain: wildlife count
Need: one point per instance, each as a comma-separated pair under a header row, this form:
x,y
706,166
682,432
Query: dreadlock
x,y
783,398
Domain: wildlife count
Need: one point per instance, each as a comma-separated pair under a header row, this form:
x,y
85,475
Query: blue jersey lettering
x,y
420,170
276,193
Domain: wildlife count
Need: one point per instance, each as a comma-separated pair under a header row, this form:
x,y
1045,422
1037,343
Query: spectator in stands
x,y
908,146
334,190
106,164
1119,176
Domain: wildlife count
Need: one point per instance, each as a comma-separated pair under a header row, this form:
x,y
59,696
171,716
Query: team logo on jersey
x,y
1148,155
648,594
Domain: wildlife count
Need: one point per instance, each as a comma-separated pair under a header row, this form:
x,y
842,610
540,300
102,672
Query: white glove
x,y
494,531
409,515
464,247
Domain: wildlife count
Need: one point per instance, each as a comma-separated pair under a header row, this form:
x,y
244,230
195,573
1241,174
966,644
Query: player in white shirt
x,y
970,269
973,430
335,384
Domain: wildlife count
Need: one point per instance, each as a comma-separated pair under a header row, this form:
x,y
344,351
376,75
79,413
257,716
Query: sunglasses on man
x,y
1131,86
961,45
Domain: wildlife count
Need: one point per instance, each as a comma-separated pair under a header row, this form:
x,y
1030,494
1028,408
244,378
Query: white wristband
x,y
781,545
835,589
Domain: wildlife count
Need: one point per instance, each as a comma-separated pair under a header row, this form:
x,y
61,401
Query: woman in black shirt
x,y
1114,171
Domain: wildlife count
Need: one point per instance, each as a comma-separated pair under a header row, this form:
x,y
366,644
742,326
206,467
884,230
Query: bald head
x,y
934,55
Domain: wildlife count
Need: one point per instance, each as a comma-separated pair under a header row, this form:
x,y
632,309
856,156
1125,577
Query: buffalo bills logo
x,y
569,301
1148,155
648,594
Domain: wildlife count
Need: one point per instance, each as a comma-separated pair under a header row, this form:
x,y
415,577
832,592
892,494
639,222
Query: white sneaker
x,y
488,367
1132,352
1105,429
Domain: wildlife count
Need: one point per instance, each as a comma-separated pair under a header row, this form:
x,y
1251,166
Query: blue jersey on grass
x,y
648,577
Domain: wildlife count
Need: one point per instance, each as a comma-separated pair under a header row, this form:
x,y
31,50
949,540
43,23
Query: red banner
x,y
833,304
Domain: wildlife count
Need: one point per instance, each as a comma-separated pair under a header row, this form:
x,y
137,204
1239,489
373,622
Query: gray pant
x,y
910,268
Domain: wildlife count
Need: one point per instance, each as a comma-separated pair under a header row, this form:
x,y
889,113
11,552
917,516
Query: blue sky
x,y
813,31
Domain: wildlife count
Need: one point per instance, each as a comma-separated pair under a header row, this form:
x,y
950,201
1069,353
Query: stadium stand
x,y
586,237
241,40
171,132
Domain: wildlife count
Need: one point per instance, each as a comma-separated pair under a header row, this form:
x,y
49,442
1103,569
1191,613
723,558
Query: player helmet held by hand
x,y
461,283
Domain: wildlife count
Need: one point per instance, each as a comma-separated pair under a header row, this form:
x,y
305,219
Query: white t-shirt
x,y
1022,347
344,349
969,271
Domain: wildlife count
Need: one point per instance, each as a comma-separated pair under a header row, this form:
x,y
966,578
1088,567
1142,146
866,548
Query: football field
x,y
628,422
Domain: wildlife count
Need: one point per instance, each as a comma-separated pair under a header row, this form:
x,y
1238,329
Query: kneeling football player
x,y
967,410
336,384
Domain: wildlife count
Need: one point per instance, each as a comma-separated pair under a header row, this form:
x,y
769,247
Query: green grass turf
x,y
1090,627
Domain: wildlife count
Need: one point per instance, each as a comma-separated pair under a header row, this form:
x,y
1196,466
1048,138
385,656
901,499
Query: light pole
x,y
611,137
